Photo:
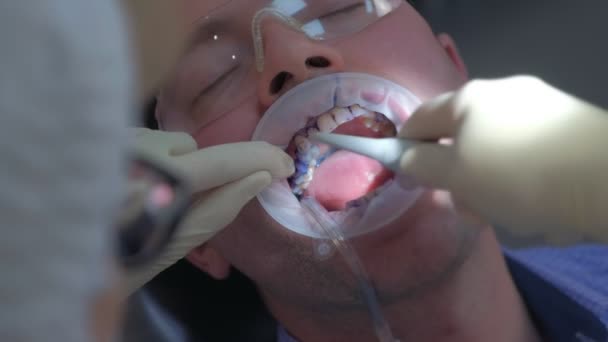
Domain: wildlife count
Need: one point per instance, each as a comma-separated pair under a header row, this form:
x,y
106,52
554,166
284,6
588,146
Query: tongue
x,y
346,176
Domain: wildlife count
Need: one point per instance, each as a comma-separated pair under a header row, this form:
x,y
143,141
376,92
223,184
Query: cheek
x,y
258,246
192,10
234,126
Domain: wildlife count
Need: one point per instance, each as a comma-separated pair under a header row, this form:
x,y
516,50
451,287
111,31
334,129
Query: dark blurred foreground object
x,y
156,202
184,304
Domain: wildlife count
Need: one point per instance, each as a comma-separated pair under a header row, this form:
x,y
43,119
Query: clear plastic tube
x,y
323,221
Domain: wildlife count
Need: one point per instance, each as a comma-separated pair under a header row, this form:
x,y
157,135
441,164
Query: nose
x,y
290,58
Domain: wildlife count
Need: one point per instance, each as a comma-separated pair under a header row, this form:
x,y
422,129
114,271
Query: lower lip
x,y
394,229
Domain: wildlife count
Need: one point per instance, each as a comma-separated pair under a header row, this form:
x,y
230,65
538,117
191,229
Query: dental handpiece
x,y
387,151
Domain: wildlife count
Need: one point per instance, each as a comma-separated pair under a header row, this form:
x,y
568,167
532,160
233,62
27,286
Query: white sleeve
x,y
65,89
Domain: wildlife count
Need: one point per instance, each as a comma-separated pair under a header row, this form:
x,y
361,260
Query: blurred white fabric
x,y
65,92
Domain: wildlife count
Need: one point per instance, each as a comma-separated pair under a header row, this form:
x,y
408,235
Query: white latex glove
x,y
523,155
226,177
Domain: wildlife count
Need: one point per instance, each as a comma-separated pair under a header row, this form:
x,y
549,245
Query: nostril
x,y
279,81
317,62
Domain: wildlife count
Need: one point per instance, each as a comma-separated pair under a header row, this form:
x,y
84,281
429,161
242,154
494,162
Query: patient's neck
x,y
478,303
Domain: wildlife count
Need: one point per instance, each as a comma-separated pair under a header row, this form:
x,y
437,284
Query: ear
x,y
209,260
448,44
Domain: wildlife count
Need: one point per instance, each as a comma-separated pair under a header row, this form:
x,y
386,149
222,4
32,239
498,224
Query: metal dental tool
x,y
387,151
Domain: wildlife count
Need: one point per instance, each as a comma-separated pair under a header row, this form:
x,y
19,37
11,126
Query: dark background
x,y
562,41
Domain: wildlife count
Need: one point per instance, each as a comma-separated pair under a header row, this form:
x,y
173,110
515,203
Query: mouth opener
x,y
387,151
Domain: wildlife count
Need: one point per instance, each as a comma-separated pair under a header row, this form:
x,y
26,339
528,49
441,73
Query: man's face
x,y
207,98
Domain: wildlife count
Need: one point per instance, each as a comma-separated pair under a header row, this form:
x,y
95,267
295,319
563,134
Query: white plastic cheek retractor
x,y
292,111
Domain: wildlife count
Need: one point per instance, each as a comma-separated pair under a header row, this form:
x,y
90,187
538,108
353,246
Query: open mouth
x,y
351,191
339,179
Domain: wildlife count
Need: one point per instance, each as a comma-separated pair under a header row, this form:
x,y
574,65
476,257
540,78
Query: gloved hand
x,y
226,177
522,155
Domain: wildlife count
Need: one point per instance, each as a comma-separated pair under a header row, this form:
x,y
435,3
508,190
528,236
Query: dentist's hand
x,y
523,155
226,177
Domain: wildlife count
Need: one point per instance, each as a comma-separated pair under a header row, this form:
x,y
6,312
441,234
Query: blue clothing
x,y
565,290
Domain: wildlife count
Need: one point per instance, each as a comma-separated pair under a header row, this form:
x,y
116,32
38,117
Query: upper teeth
x,y
302,143
310,131
341,115
326,123
308,153
331,120
358,111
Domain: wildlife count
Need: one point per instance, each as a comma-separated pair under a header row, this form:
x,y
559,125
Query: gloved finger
x,y
430,164
433,120
217,165
163,143
181,143
219,207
